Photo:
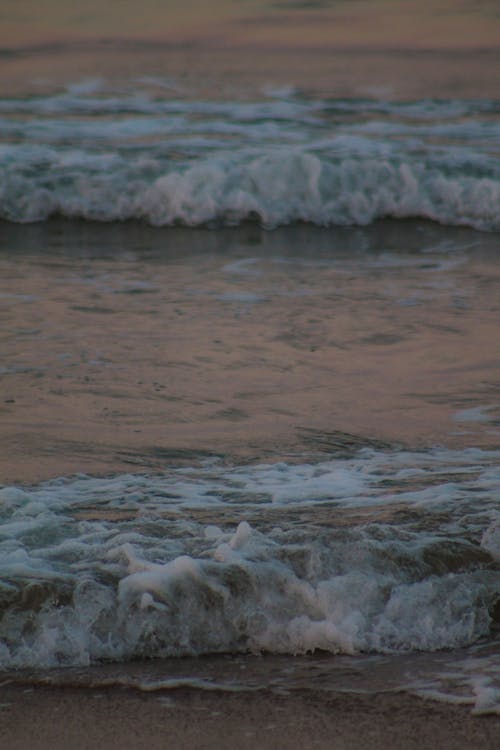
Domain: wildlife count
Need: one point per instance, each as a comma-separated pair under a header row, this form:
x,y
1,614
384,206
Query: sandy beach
x,y
46,718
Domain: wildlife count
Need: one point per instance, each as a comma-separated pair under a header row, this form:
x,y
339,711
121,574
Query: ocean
x,y
250,370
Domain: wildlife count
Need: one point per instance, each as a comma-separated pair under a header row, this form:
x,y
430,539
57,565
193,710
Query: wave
x,y
275,187
101,153
252,559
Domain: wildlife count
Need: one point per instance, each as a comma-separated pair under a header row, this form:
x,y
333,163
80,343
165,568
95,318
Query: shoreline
x,y
44,718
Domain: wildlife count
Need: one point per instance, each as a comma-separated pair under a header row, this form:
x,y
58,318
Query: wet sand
x,y
55,718
130,348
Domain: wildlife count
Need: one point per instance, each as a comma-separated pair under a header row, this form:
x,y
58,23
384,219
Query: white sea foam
x,y
476,414
122,567
278,188
106,156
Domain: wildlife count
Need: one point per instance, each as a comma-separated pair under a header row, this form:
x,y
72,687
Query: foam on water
x,y
104,155
384,552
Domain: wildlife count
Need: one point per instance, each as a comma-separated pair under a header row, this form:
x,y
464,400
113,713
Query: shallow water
x,y
128,345
381,552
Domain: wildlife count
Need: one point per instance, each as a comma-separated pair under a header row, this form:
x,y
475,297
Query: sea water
x,y
389,552
375,568
96,153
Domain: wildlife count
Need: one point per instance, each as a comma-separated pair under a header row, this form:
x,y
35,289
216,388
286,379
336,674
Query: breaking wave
x,y
113,156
